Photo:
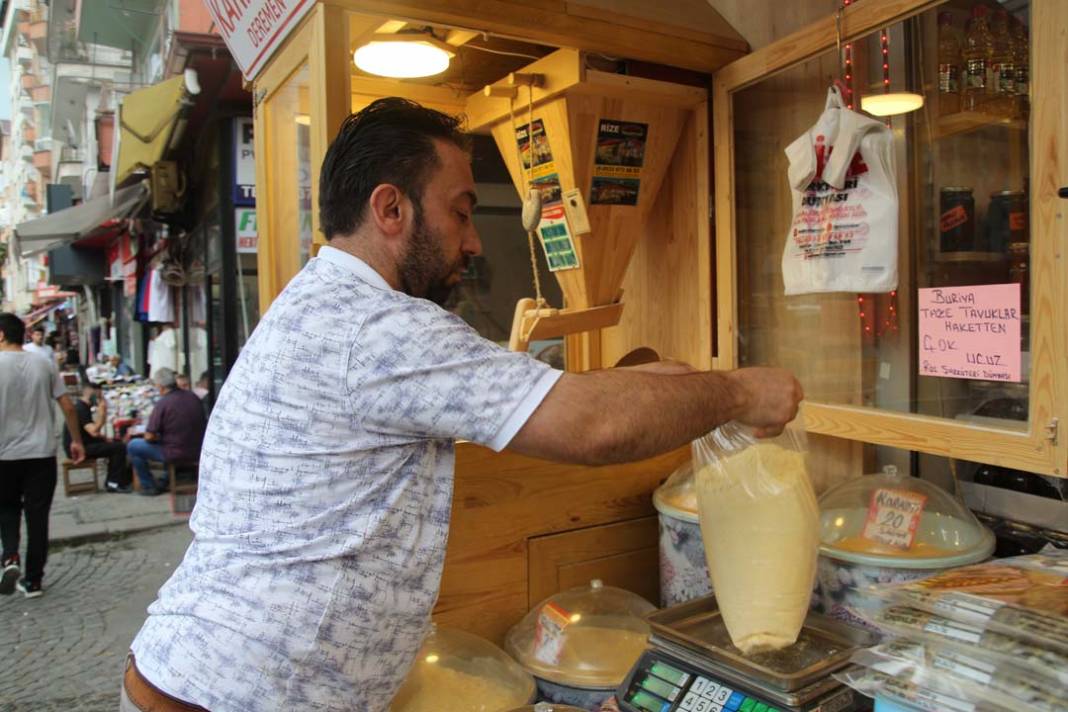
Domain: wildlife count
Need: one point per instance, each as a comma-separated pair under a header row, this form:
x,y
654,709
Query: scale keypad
x,y
659,686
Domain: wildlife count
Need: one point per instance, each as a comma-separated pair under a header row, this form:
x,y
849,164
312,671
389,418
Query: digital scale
x,y
692,666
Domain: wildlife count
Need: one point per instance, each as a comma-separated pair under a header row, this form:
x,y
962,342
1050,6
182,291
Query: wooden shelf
x,y
965,121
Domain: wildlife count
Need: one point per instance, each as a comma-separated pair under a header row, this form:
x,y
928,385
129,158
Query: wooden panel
x,y
668,286
502,500
554,25
764,22
329,67
693,19
624,555
858,19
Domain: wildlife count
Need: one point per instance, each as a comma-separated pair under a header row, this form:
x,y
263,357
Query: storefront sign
x,y
253,29
245,228
617,166
970,332
244,163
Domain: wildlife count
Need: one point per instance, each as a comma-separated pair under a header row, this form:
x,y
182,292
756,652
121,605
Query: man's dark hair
x,y
390,141
13,328
38,329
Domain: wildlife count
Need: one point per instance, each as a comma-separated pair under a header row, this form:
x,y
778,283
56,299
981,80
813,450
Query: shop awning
x,y
79,221
41,312
148,119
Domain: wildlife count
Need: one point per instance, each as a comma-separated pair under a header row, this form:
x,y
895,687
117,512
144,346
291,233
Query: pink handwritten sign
x,y
970,332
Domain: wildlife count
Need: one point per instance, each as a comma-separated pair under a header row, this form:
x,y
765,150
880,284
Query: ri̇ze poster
x,y
545,177
617,166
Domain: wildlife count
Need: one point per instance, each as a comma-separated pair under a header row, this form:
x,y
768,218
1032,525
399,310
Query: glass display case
x,y
965,358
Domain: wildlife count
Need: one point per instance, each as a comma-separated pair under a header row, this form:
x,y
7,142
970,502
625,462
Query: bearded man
x,y
326,471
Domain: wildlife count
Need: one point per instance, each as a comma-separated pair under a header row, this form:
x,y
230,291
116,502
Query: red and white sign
x,y
254,29
893,516
971,332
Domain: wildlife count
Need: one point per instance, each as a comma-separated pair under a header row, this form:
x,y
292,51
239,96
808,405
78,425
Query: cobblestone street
x,y
65,650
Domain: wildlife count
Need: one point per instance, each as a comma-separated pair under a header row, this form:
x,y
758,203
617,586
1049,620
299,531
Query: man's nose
x,y
472,244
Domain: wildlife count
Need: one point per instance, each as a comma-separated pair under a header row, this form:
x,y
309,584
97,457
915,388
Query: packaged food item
x,y
882,686
956,223
1025,597
760,525
967,673
1003,649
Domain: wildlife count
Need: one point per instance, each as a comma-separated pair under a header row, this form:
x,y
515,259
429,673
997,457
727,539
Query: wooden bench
x,y
183,482
80,486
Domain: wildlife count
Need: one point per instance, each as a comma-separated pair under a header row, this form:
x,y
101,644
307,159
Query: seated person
x,y
96,444
120,367
174,432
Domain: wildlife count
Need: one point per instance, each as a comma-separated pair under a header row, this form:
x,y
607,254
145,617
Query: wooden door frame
x,y
1031,448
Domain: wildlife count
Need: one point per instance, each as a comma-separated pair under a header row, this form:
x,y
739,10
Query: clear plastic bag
x,y
1024,597
760,524
964,674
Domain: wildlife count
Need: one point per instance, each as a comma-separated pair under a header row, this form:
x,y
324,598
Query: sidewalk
x,y
100,515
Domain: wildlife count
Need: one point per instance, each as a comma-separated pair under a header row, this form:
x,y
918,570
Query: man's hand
x,y
77,452
771,397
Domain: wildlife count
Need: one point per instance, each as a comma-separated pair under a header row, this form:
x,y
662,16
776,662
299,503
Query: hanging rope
x,y
539,299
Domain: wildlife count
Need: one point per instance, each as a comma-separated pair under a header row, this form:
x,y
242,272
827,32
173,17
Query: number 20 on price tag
x,y
893,516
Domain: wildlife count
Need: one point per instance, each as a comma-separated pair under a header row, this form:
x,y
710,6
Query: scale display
x,y
661,684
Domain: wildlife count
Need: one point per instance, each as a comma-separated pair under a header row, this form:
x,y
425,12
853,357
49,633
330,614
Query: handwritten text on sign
x,y
970,332
893,516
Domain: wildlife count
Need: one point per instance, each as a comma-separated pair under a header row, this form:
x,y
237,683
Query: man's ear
x,y
390,209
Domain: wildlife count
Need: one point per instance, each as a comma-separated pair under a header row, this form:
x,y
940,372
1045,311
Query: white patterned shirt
x,y
325,494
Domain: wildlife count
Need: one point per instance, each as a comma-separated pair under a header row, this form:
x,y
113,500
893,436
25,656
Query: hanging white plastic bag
x,y
843,237
760,524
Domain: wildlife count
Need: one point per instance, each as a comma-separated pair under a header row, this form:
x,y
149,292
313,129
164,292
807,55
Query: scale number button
x,y
710,690
734,702
689,701
702,705
698,686
722,695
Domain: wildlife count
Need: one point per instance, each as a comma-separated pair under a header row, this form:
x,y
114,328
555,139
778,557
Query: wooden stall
x,y
523,529
654,275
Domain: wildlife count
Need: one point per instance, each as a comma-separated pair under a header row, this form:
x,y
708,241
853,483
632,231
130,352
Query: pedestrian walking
x,y
28,384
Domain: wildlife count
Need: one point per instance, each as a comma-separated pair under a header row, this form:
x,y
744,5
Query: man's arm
x,y
77,448
96,428
622,415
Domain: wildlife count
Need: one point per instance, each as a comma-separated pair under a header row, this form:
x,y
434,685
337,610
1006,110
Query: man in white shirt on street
x,y
327,469
37,345
28,384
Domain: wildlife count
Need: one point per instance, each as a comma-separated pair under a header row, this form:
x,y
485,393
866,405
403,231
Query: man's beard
x,y
424,269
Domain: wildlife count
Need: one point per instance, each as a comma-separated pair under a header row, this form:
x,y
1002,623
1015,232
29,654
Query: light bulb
x,y
891,104
401,59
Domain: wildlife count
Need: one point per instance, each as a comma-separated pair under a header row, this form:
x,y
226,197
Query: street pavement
x,y
65,650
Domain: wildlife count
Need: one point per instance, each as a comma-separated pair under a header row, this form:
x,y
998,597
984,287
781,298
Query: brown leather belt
x,y
147,698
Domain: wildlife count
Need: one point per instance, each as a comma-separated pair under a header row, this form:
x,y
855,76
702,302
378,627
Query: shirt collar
x,y
353,264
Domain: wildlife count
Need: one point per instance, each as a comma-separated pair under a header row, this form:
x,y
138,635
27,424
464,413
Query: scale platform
x,y
692,666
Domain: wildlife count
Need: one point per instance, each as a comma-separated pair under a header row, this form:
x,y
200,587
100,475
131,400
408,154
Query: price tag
x,y
549,633
893,516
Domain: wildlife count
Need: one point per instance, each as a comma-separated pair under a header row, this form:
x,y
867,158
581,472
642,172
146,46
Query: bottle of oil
x,y
1003,91
978,54
1022,62
949,63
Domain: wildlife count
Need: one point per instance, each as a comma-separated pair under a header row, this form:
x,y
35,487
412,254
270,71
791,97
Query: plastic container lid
x,y
867,521
678,496
587,637
473,674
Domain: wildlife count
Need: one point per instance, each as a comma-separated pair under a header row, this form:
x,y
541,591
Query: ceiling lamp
x,y
404,55
900,102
